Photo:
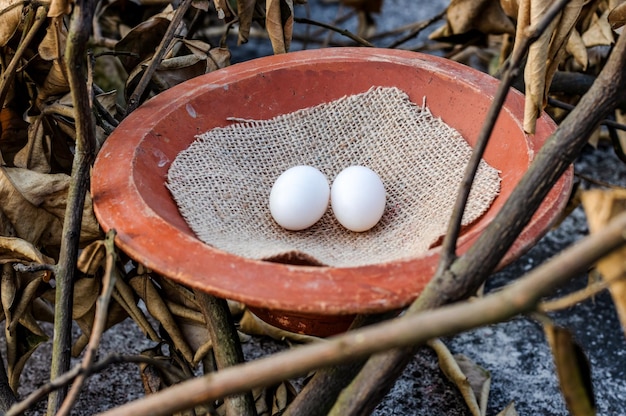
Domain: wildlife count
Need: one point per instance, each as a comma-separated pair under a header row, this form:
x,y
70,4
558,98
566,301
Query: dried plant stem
x,y
9,73
102,308
342,32
135,98
520,297
226,348
418,29
78,37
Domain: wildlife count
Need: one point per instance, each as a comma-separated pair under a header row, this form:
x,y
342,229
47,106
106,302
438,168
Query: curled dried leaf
x,y
92,257
537,66
573,370
279,24
576,47
17,250
599,32
10,19
35,204
484,16
59,8
245,11
600,206
472,380
144,287
252,325
617,16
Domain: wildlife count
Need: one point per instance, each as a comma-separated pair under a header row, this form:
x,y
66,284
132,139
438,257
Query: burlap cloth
x,y
222,181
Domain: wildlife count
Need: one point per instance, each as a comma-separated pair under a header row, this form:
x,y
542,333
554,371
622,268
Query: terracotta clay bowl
x,y
129,192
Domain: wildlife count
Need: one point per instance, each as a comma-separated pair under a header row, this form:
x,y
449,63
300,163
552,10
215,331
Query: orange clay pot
x,y
129,193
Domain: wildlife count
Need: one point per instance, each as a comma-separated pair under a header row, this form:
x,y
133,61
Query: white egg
x,y
358,198
299,197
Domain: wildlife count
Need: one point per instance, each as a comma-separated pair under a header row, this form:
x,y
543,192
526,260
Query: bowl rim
x,y
140,230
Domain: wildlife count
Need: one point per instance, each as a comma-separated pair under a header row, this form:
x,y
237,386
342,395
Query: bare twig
x,y
574,298
418,29
226,348
135,98
520,297
342,32
569,107
77,40
102,308
68,377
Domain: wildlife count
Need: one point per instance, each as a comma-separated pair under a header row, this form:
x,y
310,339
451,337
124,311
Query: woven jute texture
x,y
222,181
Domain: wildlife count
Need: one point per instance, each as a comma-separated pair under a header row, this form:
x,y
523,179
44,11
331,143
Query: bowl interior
x,y
129,190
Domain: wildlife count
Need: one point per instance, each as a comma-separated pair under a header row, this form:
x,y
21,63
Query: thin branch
x,y
520,297
579,296
569,107
418,29
135,98
77,40
342,32
226,348
65,379
101,317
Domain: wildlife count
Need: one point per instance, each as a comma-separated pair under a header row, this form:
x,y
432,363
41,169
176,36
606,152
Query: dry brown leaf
x,y
245,11
20,346
173,71
59,8
17,250
465,16
573,370
600,206
143,286
536,66
141,42
200,5
218,58
35,156
10,19
509,410
599,32
557,52
92,258
617,16
270,401
279,24
35,204
510,8
252,325
223,9
8,290
577,49
14,135
472,380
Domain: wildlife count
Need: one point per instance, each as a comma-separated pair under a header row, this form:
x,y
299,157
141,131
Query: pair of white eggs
x,y
300,197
